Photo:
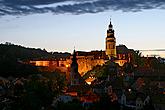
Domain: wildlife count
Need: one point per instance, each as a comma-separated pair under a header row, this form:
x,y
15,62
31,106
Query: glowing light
x,y
129,90
90,80
41,63
88,83
122,74
67,66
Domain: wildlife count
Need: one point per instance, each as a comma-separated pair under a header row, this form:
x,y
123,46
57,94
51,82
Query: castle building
x,y
110,42
83,62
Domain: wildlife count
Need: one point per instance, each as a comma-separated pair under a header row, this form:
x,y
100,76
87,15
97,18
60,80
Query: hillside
x,y
23,53
12,55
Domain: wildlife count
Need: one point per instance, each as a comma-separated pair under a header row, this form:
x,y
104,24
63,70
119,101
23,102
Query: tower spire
x,y
75,77
110,42
110,25
74,59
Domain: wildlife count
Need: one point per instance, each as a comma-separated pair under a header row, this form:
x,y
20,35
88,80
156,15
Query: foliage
x,y
36,96
138,60
12,58
109,68
25,53
155,64
56,81
10,67
22,53
105,103
92,72
74,105
36,92
118,83
128,68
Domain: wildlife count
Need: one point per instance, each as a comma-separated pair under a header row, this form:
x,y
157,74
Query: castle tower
x,y
110,42
75,78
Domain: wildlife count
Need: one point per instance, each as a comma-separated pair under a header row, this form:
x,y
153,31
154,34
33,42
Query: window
x,y
113,46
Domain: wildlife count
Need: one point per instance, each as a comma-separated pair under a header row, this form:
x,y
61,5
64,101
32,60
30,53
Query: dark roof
x,y
96,54
77,88
122,49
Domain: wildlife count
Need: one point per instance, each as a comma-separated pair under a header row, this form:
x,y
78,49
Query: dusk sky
x,y
59,25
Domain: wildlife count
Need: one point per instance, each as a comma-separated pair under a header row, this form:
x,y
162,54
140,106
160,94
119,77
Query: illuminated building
x,y
88,60
124,55
110,42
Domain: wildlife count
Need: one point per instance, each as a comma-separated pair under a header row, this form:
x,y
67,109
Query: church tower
x,y
75,78
110,42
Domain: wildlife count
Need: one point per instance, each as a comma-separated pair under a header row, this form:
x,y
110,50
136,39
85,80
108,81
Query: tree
x,y
36,96
56,81
155,64
73,105
128,68
137,57
38,91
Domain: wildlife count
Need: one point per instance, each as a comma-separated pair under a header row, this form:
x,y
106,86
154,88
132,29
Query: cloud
x,y
25,7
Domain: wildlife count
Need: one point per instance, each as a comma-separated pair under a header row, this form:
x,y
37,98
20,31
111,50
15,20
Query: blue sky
x,y
136,26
